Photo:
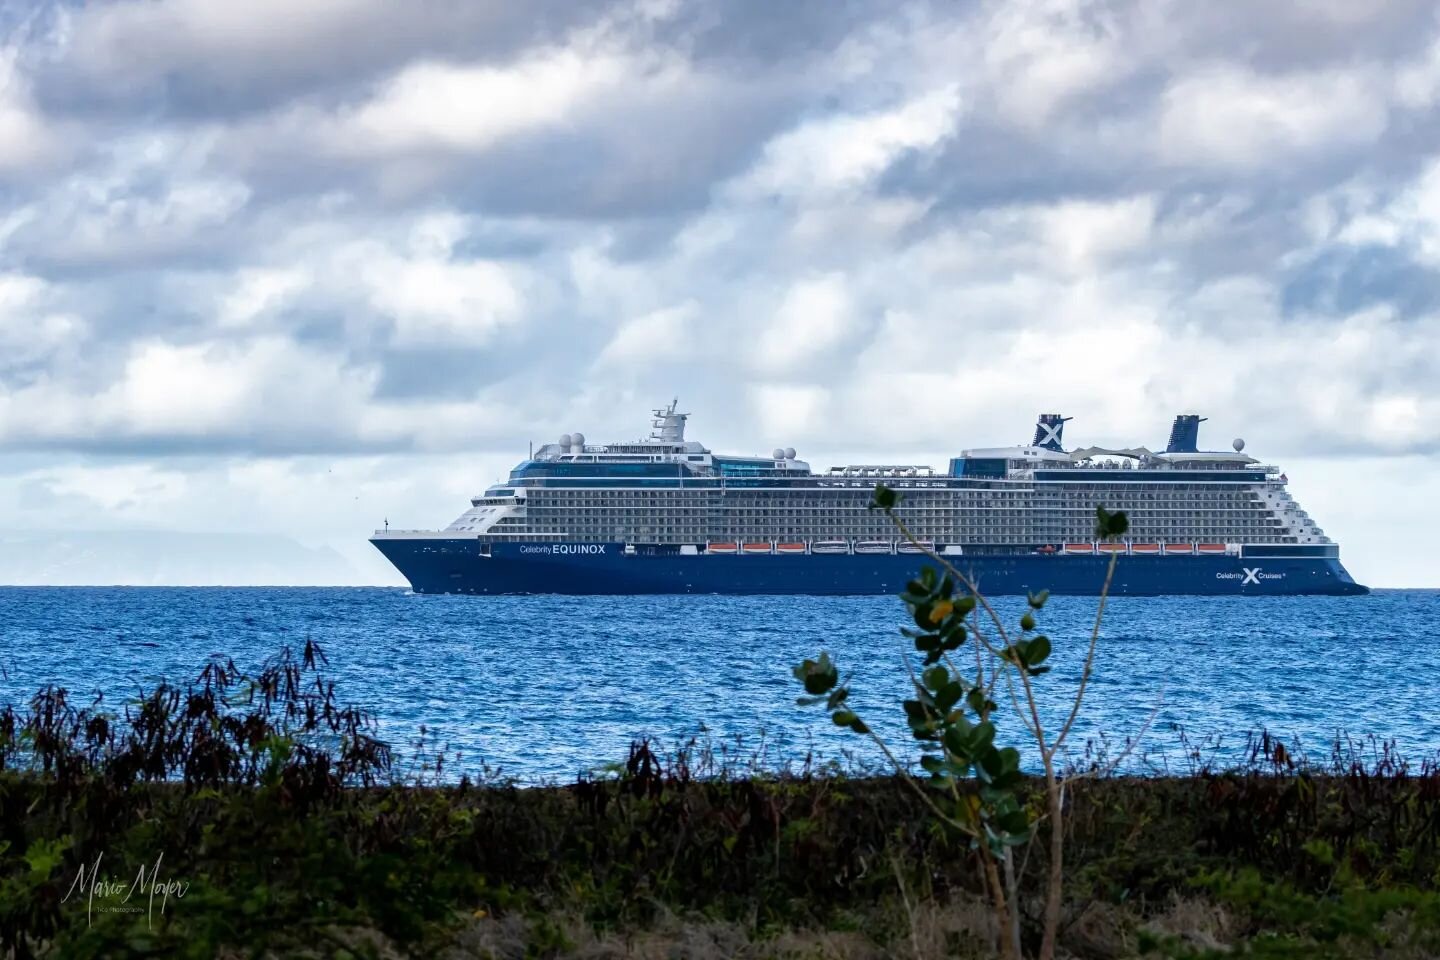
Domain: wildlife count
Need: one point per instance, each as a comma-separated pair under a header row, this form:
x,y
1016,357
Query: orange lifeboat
x,y
721,547
757,548
1210,548
1177,548
1110,547
1079,548
789,548
1144,548
1047,548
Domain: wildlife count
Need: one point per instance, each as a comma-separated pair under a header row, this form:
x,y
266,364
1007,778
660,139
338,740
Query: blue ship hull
x,y
458,566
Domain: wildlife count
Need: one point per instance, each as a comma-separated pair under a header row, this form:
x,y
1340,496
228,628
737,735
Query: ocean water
x,y
547,687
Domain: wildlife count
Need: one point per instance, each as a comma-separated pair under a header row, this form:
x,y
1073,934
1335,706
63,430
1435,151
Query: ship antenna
x,y
668,425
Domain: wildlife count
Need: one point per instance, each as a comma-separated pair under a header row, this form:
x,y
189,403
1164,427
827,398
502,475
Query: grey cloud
x,y
191,60
1350,281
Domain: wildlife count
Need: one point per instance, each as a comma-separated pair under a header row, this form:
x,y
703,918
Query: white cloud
x,y
1040,56
124,489
1084,233
30,329
468,108
1230,116
661,335
845,153
258,292
786,411
1417,83
26,140
201,391
814,316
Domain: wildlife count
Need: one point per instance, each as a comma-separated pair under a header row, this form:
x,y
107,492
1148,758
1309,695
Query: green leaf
x,y
819,676
958,743
992,764
1027,622
1014,821
1109,524
1037,600
836,698
935,679
883,498
982,737
949,695
843,718
1039,650
859,726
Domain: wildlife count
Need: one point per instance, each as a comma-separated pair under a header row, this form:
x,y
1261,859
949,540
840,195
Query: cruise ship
x,y
668,515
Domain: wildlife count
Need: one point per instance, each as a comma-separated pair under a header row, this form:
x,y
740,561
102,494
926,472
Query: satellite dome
x,y
789,453
777,454
578,439
565,440
1238,444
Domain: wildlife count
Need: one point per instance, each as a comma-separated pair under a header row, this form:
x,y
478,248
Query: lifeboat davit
x,y
721,547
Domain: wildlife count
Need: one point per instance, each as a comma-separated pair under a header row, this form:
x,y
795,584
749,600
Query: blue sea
x,y
544,688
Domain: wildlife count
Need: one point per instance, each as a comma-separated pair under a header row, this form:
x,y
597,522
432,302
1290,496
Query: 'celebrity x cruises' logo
x,y
1252,575
1052,433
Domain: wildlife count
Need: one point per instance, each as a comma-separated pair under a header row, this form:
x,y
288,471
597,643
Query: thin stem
x,y
919,790
1002,911
1089,657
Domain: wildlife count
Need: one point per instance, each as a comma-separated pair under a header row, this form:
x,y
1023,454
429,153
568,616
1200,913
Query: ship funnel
x,y
1048,430
1185,434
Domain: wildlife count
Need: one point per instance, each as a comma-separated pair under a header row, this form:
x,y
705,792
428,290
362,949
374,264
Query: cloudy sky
x,y
270,267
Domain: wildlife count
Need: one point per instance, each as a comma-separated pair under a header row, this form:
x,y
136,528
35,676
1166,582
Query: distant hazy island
x,y
170,558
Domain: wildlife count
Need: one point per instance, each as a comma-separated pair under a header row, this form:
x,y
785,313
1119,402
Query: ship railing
x,y
432,534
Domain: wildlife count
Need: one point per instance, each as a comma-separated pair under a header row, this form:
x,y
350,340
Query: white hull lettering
x,y
571,548
1250,575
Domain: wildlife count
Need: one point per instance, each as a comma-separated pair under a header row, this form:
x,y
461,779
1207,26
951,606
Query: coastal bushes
x,y
276,854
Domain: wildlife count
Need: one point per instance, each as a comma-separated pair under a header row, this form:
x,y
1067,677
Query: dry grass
x,y
961,930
